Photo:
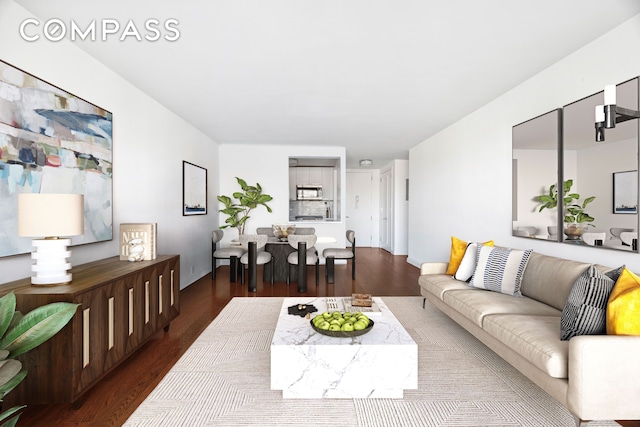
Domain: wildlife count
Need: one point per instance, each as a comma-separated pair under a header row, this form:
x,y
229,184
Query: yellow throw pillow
x,y
623,309
458,248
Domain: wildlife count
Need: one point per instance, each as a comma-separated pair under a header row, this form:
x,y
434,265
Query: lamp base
x,y
51,267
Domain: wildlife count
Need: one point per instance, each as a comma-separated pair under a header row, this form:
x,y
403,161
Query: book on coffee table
x,y
374,310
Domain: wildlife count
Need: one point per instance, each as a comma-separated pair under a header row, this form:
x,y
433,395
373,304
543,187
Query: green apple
x,y
347,315
334,327
347,327
359,325
324,325
334,322
326,315
352,319
336,314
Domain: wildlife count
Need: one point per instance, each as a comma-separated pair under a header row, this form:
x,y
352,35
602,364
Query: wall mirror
x,y
605,170
535,148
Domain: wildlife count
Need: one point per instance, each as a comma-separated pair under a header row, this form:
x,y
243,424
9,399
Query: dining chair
x,y
304,254
332,254
232,253
594,239
255,255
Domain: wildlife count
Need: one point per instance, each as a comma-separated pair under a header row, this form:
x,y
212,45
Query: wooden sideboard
x,y
122,305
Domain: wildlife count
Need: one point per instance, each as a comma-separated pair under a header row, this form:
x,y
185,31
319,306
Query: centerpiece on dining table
x,y
282,232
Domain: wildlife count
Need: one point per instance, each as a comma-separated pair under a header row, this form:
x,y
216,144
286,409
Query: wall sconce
x,y
365,162
609,114
50,216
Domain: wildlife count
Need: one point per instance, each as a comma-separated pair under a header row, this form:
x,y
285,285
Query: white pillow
x,y
468,263
500,269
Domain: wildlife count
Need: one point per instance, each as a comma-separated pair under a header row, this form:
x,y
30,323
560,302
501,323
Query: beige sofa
x,y
595,377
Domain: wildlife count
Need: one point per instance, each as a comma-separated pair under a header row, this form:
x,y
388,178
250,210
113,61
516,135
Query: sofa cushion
x,y
624,305
469,261
585,312
549,279
475,304
438,284
500,269
535,338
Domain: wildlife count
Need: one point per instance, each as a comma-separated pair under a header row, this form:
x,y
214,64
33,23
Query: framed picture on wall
x,y
52,141
194,189
625,192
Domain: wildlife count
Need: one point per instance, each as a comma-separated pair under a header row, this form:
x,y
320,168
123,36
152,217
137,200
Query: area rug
x,y
223,380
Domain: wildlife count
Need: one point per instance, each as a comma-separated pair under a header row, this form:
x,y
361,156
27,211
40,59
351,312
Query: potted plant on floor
x,y
248,199
576,219
19,334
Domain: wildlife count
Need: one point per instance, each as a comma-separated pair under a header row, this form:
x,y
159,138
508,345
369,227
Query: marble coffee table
x,y
306,364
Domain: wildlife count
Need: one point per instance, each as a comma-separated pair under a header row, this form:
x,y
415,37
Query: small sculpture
x,y
136,250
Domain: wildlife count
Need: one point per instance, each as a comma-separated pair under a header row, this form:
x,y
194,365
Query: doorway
x,y
386,210
359,204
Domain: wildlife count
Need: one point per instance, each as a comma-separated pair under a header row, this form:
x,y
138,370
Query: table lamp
x,y
50,216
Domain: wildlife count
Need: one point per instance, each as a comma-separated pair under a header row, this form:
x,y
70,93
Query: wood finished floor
x,y
115,398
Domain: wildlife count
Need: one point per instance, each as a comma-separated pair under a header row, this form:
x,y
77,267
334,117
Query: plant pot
x,y
574,231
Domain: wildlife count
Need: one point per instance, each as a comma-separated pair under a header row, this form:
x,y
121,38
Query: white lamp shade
x,y
50,215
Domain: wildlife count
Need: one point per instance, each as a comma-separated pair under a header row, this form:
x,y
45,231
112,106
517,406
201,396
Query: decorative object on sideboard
x,y
247,200
576,219
194,189
138,241
609,114
50,216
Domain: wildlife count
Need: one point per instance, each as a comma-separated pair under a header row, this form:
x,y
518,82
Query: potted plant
x,y
248,199
576,220
19,334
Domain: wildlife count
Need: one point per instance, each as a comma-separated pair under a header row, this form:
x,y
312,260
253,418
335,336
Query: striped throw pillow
x,y
585,312
500,269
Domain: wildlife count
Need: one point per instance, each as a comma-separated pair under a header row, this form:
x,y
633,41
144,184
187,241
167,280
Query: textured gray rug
x,y
223,380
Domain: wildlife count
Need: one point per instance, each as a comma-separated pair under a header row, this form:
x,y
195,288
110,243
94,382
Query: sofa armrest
x,y
433,268
604,379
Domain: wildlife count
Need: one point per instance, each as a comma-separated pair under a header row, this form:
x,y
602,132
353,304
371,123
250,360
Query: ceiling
x,y
375,76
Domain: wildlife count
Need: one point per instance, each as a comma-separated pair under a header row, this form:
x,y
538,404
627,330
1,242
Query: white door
x,y
359,215
386,211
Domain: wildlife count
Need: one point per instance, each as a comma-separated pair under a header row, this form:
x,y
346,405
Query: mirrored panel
x,y
535,148
601,178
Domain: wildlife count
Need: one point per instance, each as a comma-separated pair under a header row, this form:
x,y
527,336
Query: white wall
x,y
269,166
461,177
150,144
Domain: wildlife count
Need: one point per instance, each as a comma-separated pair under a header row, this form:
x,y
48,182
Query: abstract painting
x,y
194,189
52,142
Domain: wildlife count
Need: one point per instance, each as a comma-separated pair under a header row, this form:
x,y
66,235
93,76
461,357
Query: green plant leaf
x,y
9,413
587,201
37,326
7,308
12,382
9,368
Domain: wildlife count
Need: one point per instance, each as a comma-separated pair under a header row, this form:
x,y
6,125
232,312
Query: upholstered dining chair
x,y
616,231
629,238
304,254
592,238
232,253
332,254
255,255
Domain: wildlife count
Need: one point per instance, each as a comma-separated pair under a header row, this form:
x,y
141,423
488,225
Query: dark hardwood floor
x,y
115,398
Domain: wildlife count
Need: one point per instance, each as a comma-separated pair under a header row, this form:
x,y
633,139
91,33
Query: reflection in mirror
x,y
604,170
535,146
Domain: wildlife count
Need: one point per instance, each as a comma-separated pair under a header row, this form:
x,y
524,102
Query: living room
x,y
460,176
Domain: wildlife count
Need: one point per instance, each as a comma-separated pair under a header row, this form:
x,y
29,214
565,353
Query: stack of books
x,y
138,241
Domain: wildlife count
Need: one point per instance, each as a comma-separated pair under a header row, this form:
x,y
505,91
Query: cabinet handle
x,y
110,322
85,336
172,300
130,311
146,302
160,294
